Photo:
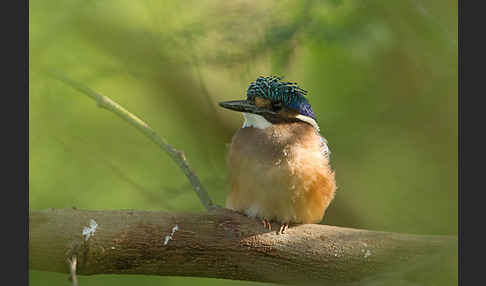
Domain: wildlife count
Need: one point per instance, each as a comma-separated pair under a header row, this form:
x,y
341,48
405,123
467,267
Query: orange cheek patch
x,y
262,102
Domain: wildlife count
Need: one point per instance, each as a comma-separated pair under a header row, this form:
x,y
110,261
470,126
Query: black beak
x,y
245,106
238,105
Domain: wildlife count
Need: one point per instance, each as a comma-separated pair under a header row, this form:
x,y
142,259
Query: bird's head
x,y
272,101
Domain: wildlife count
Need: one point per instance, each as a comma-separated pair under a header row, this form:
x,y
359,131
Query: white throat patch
x,y
255,120
258,121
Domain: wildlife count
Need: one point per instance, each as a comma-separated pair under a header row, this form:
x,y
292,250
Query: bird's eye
x,y
277,106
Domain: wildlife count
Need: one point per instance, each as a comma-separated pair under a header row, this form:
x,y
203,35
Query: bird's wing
x,y
326,152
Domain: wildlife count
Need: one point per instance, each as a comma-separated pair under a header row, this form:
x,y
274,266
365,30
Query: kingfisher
x,y
279,164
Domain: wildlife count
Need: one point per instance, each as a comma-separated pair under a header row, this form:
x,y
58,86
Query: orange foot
x,y
266,224
283,228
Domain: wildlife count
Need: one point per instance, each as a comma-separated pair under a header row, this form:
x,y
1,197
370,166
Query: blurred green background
x,y
381,77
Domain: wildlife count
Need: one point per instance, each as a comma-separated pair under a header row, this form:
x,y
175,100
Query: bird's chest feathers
x,y
279,172
261,142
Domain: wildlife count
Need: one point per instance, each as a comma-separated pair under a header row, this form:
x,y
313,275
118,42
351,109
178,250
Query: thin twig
x,y
176,155
72,268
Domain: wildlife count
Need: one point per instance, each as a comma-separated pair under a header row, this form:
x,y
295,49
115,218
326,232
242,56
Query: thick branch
x,y
224,244
176,155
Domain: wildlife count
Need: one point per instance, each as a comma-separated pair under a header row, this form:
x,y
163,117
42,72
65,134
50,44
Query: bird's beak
x,y
238,105
245,106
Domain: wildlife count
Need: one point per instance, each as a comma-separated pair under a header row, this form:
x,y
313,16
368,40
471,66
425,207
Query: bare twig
x,y
72,268
176,155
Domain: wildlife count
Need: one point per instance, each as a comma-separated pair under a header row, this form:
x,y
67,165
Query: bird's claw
x,y
266,224
283,228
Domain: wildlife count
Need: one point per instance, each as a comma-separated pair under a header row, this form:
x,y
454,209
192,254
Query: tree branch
x,y
224,244
176,155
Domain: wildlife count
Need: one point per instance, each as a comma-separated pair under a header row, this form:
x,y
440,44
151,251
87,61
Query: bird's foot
x,y
283,228
266,224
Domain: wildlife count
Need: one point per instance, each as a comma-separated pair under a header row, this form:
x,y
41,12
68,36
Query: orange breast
x,y
280,174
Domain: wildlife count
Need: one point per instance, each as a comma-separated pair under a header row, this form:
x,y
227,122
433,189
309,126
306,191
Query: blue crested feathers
x,y
288,94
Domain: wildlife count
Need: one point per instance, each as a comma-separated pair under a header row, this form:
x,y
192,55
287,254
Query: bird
x,y
278,162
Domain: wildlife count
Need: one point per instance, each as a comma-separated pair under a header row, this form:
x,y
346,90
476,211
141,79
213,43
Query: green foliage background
x,y
381,76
